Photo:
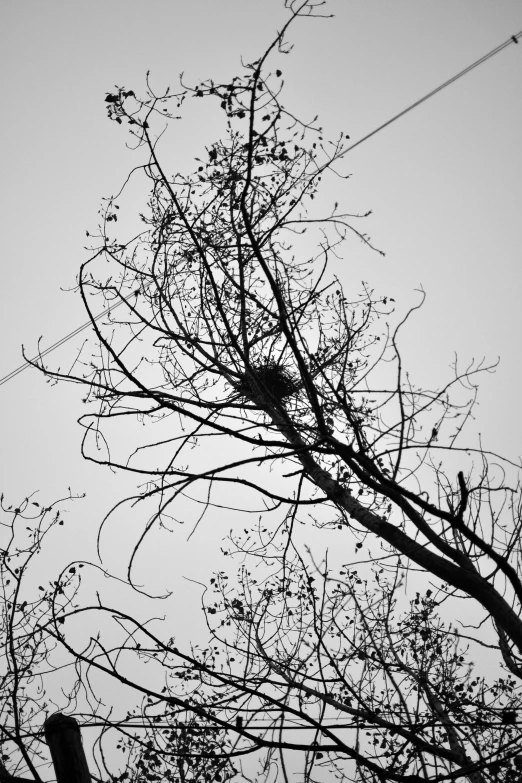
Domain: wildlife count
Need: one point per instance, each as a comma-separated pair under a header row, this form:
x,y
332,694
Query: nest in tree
x,y
268,379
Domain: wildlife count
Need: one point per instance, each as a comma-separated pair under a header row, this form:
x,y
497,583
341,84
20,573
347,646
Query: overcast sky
x,y
443,182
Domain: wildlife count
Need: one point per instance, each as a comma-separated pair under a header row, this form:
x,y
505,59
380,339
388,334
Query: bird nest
x,y
266,379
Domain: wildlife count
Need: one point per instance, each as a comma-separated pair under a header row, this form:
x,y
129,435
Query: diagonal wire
x,y
483,59
64,339
500,48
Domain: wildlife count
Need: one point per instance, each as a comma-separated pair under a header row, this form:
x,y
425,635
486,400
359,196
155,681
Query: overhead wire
x,y
251,725
64,339
496,50
512,39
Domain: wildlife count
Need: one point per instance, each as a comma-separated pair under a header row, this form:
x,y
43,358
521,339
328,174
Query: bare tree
x,y
276,388
39,676
322,673
317,672
27,653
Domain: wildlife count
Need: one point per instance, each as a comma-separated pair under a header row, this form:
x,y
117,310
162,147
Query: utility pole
x,y
62,734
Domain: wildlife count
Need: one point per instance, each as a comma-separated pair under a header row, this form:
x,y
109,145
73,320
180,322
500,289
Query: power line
x,y
63,340
496,50
260,724
501,47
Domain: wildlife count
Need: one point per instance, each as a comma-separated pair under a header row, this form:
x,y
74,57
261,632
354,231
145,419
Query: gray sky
x,y
443,183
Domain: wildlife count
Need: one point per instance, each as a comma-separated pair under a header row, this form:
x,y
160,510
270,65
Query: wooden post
x,y
62,734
